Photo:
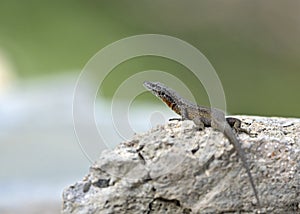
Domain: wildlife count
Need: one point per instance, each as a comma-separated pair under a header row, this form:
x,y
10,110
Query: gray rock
x,y
177,169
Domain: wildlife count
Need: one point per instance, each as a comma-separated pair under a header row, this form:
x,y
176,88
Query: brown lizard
x,y
203,117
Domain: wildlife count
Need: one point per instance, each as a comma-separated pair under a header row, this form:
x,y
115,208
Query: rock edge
x,y
177,169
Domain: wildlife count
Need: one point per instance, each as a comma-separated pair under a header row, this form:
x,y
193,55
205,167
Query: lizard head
x,y
166,94
159,90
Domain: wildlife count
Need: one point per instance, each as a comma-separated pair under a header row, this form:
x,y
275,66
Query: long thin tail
x,y
233,139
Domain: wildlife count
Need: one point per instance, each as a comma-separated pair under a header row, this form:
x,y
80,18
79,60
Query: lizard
x,y
203,117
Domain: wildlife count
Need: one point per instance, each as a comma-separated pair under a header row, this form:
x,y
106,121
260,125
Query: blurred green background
x,y
253,45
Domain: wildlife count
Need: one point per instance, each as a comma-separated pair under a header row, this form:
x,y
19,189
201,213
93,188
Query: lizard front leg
x,y
196,119
183,114
198,122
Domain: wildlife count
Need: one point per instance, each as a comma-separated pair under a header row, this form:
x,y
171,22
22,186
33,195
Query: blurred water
x,y
39,152
39,155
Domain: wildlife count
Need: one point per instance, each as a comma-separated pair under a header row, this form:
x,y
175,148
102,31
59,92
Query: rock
x,y
177,169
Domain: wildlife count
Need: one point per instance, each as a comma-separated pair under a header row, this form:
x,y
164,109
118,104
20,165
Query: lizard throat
x,y
172,105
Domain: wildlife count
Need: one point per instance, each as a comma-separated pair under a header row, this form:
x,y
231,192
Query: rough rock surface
x,y
177,169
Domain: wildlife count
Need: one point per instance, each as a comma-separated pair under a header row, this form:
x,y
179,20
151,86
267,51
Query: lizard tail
x,y
233,139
